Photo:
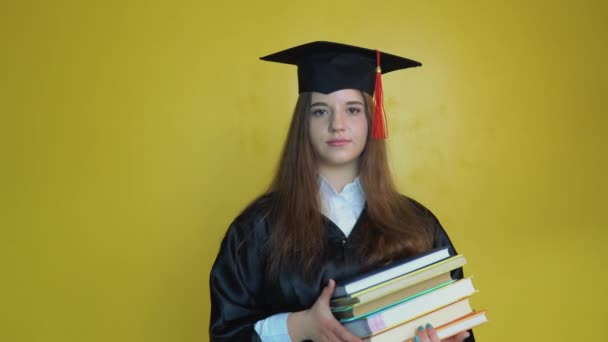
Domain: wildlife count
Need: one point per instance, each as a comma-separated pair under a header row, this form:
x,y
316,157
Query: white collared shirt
x,y
343,209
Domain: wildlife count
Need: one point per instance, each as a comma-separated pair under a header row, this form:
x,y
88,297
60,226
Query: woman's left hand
x,y
429,334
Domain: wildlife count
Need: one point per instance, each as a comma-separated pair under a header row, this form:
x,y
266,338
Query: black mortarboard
x,y
326,67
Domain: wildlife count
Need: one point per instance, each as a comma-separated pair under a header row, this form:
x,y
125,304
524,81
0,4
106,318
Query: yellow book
x,y
459,325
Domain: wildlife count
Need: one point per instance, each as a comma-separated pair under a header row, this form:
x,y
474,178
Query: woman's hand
x,y
318,323
430,335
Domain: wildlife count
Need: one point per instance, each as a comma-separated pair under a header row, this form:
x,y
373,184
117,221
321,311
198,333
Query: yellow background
x,y
132,133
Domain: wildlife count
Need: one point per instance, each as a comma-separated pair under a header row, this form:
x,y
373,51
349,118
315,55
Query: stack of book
x,y
390,303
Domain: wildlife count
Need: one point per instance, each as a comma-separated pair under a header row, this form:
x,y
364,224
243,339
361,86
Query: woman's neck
x,y
338,177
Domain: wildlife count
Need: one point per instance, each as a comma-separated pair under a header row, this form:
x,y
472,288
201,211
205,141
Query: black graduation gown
x,y
240,296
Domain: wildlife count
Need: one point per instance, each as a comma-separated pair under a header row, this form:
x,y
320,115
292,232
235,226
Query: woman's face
x,y
338,127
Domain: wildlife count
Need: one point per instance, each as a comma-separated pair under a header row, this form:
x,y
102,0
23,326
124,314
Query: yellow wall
x,y
132,132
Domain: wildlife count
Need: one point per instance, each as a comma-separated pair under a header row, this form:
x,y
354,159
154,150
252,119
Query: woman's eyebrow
x,y
325,104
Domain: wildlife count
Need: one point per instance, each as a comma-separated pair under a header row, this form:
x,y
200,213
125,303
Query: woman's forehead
x,y
338,96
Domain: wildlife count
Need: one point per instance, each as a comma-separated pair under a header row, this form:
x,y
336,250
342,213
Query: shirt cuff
x,y
273,328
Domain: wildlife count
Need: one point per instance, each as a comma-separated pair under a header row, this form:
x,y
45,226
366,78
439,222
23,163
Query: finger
x,y
328,291
333,338
421,335
432,333
344,334
329,336
459,337
339,333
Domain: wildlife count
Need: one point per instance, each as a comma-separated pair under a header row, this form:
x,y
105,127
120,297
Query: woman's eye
x,y
354,110
319,112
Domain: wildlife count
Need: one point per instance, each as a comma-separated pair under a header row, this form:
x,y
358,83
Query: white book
x,y
411,309
389,272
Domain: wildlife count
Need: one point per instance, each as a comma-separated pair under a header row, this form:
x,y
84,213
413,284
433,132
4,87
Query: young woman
x,y
332,211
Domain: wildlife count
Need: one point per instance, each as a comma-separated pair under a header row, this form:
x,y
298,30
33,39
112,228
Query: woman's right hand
x,y
317,323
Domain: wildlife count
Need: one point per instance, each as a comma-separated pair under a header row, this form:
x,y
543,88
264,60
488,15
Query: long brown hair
x,y
298,233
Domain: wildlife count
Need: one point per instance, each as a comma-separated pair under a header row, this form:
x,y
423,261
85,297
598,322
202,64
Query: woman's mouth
x,y
338,142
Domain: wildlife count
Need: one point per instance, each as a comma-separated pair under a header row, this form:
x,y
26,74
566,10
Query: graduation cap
x,y
325,67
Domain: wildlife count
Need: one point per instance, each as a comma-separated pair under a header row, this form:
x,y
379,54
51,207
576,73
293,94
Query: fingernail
x,y
429,326
417,339
420,328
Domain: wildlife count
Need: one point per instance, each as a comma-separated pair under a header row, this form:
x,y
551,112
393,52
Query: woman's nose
x,y
336,121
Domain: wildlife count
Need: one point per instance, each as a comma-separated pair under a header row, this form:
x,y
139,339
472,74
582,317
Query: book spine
x,y
350,313
408,310
339,291
391,271
344,314
365,327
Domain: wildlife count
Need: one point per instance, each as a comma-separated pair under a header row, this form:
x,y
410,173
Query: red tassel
x,y
379,127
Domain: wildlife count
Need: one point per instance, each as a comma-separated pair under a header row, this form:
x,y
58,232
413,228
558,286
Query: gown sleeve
x,y
441,239
235,282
